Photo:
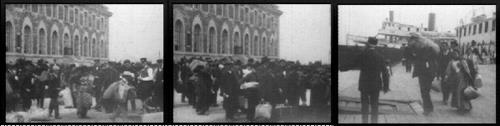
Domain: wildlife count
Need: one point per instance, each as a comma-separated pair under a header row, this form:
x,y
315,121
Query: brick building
x,y
218,30
65,32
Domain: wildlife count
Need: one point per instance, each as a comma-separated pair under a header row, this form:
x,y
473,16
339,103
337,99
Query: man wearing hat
x,y
372,66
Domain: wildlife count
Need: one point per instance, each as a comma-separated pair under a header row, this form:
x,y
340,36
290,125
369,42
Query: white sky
x,y
136,31
305,32
365,20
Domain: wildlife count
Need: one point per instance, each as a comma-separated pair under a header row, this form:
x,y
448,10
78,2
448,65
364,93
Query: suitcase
x,y
282,111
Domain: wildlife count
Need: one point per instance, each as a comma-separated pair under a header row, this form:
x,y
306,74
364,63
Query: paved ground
x,y
186,113
69,115
403,87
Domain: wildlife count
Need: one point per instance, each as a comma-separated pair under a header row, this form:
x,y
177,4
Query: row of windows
x,y
239,13
40,42
401,27
471,29
64,13
257,46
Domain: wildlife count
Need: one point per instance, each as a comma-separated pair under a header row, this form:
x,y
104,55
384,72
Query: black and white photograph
x,y
251,63
87,63
417,63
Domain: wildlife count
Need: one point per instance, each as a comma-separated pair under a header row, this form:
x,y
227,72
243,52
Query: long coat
x,y
230,81
372,66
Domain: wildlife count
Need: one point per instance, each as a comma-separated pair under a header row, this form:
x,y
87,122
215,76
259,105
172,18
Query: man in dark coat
x,y
372,66
230,89
268,89
216,72
202,90
292,79
444,59
426,68
54,86
408,62
186,84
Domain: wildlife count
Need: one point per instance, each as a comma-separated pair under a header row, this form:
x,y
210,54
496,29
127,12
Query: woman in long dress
x,y
460,73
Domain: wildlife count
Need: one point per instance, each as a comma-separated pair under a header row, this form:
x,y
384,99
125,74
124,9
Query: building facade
x,y
57,32
481,29
219,30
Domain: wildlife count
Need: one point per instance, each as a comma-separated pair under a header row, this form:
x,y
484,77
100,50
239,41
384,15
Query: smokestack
x,y
432,21
391,16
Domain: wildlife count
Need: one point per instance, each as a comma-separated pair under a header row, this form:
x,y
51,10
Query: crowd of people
x,y
458,70
111,84
275,82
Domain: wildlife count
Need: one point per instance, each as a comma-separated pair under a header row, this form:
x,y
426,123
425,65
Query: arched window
x,y
67,45
48,10
66,13
34,44
85,47
35,8
76,16
85,19
71,17
76,46
256,46
247,45
101,49
53,48
224,10
251,18
231,11
212,39
9,36
43,41
197,38
264,20
98,23
225,41
237,43
81,19
61,13
54,11
211,8
178,35
219,9
27,39
263,47
236,12
247,15
93,48
204,7
92,21
242,15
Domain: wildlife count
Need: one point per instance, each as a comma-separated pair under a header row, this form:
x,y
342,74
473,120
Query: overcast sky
x,y
365,20
136,30
305,32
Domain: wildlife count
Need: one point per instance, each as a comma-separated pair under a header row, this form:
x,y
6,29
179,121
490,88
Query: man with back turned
x,y
373,78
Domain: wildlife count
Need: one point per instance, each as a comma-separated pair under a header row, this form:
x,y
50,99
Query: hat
x,y
126,61
372,40
143,60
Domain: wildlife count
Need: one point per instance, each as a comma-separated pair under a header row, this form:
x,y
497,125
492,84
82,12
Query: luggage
x,y
263,111
471,93
111,91
478,83
284,111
